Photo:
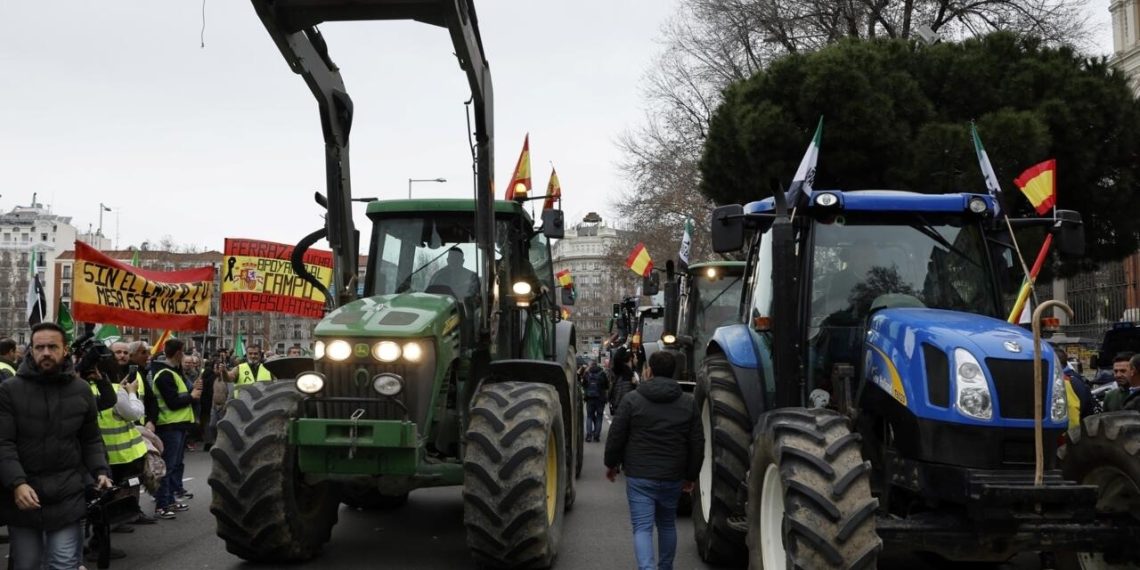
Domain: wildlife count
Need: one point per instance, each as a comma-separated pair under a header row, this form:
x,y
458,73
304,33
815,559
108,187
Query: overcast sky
x,y
116,102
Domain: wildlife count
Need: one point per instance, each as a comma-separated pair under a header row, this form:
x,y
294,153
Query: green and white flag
x,y
239,347
64,320
108,334
36,299
805,174
992,185
686,244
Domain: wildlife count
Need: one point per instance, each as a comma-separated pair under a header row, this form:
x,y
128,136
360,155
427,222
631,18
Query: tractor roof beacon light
x,y
710,273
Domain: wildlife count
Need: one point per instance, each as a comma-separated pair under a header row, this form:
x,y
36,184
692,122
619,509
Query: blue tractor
x,y
871,395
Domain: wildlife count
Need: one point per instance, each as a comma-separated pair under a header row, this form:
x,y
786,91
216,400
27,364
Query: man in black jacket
x,y
49,445
656,437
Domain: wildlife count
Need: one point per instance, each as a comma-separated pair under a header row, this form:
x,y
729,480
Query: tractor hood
x,y
409,315
910,353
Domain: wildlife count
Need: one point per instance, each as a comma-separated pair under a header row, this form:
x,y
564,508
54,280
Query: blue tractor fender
x,y
751,362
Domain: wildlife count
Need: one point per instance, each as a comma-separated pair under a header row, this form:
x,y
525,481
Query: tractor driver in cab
x,y
463,283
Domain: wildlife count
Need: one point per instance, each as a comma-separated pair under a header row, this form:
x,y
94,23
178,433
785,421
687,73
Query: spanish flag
x,y
639,261
564,278
1039,184
520,182
157,348
553,190
565,313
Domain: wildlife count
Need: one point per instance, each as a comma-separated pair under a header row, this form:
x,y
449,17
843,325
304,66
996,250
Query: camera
x,y
90,355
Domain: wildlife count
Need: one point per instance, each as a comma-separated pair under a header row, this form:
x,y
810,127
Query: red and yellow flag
x,y
157,348
553,190
639,261
565,313
564,278
1039,184
520,182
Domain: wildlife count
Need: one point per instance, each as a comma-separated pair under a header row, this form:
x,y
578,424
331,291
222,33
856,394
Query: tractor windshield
x,y
428,255
715,301
910,260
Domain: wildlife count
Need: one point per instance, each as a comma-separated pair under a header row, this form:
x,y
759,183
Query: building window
x,y
296,331
65,289
43,237
66,272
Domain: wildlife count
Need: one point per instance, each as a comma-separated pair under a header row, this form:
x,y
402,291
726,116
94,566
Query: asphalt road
x,y
427,533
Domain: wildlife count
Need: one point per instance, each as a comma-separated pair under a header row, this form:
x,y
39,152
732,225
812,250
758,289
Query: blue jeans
x,y
594,410
652,501
173,452
35,549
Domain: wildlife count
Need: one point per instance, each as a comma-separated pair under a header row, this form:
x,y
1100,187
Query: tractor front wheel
x,y
1105,451
809,494
516,475
264,509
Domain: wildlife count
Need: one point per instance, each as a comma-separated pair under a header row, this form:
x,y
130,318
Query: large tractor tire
x,y
727,431
264,509
1105,451
516,476
809,494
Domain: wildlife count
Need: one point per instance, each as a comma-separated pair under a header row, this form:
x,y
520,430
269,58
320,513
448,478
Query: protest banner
x,y
112,292
258,276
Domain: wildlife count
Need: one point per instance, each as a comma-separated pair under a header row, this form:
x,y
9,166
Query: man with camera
x,y
49,446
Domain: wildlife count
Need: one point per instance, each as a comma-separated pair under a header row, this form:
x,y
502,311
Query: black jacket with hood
x,y
49,439
656,433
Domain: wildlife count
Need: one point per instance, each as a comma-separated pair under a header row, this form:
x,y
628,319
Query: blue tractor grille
x,y
354,380
937,375
1013,380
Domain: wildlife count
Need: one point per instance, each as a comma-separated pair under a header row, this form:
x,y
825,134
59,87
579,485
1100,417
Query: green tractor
x,y
452,368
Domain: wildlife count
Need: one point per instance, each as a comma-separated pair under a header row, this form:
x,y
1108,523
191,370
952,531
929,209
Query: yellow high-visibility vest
x,y
124,443
245,376
167,416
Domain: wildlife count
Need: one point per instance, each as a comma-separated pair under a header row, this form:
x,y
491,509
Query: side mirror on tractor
x,y
728,228
1069,233
567,296
651,284
553,224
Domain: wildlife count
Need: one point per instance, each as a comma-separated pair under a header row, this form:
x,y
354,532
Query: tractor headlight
x,y
413,352
668,338
977,205
388,384
972,392
386,351
339,350
826,200
318,350
310,382
1059,405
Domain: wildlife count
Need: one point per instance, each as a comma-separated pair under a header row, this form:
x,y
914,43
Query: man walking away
x,y
7,358
49,445
175,419
656,436
597,388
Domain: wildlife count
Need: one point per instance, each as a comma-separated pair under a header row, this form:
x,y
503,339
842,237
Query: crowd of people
x,y
84,424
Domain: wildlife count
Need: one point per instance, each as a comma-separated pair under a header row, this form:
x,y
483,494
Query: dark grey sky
x,y
115,102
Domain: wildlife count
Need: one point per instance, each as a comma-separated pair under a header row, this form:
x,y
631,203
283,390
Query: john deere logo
x,y
361,350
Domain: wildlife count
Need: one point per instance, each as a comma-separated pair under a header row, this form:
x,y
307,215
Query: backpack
x,y
594,384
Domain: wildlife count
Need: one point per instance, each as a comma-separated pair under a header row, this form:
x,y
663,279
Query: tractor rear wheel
x,y
727,431
1105,451
516,475
809,494
264,509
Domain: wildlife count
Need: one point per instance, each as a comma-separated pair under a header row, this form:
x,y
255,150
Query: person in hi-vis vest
x,y
7,358
250,371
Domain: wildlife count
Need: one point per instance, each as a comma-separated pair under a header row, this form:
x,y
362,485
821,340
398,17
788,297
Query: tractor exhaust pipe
x,y
1038,391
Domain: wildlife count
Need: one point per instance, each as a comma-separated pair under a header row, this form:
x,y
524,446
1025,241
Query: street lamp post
x,y
410,180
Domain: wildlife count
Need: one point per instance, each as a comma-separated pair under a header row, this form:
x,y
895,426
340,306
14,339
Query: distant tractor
x,y
871,395
453,368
